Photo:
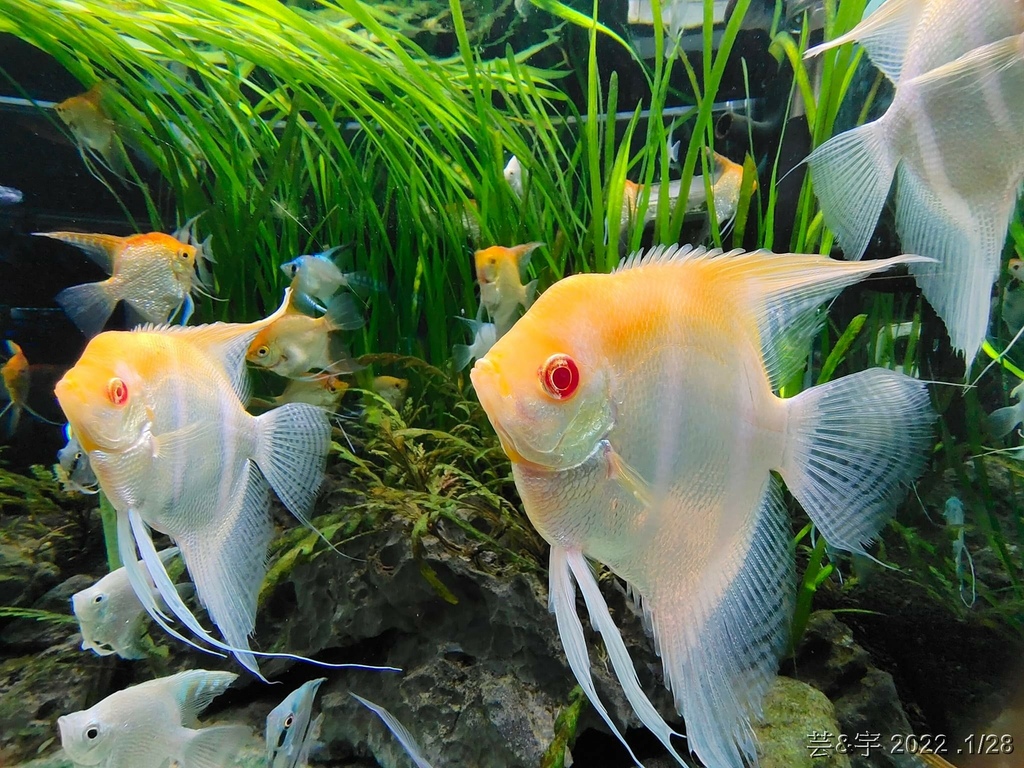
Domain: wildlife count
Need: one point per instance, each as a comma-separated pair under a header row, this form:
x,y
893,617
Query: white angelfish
x,y
72,467
639,412
154,723
399,731
515,175
111,617
291,732
951,138
1002,421
160,411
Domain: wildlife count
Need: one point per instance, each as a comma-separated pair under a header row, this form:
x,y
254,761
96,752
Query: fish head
x,y
1016,268
103,394
489,262
91,608
86,737
545,384
265,351
334,385
291,268
287,724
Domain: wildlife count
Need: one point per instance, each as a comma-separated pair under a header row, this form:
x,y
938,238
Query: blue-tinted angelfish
x,y
291,733
316,276
154,723
72,467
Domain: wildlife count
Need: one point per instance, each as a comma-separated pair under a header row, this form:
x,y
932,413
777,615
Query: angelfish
x,y
161,414
502,293
951,138
154,273
291,730
638,411
154,723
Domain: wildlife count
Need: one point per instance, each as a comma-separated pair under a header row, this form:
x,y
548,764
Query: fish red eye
x,y
560,376
117,391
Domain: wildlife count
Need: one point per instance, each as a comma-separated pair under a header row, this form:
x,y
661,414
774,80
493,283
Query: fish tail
x,y
1002,420
461,355
343,314
852,447
852,174
215,746
292,452
89,306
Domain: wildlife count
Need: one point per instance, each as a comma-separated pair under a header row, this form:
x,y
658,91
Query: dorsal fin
x,y
783,290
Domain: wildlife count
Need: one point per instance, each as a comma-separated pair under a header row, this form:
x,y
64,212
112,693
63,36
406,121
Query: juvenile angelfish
x,y
951,138
323,391
160,413
291,731
317,276
154,723
72,468
502,293
16,378
296,343
94,131
638,411
153,273
111,618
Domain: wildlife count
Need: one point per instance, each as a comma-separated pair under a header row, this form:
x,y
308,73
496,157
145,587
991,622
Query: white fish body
x,y
951,139
649,444
514,172
181,455
291,731
315,275
111,617
1003,421
154,723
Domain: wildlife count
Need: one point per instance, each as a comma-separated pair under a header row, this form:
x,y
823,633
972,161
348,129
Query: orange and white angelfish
x,y
16,378
296,343
499,272
160,413
93,130
153,273
638,411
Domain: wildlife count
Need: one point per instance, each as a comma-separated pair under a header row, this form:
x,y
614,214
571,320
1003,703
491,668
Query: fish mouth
x,y
494,398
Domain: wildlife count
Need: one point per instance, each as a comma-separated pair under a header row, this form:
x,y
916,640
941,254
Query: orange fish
x,y
498,271
153,273
17,381
638,411
94,131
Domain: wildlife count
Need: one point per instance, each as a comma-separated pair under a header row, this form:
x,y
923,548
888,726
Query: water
x,y
292,129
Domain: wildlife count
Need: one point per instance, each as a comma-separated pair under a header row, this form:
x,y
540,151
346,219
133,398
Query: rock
x,y
31,634
865,698
35,690
28,571
483,679
793,713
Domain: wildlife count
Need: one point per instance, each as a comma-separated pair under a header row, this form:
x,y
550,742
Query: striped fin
x,y
405,738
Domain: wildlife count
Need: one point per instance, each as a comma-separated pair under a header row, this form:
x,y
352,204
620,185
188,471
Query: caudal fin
x,y
853,446
852,174
89,306
292,453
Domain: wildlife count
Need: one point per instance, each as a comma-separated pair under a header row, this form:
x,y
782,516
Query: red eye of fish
x,y
117,391
560,376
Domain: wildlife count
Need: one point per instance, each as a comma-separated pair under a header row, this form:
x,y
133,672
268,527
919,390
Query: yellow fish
x,y
498,271
160,414
391,389
153,273
638,411
296,343
16,376
323,391
93,130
